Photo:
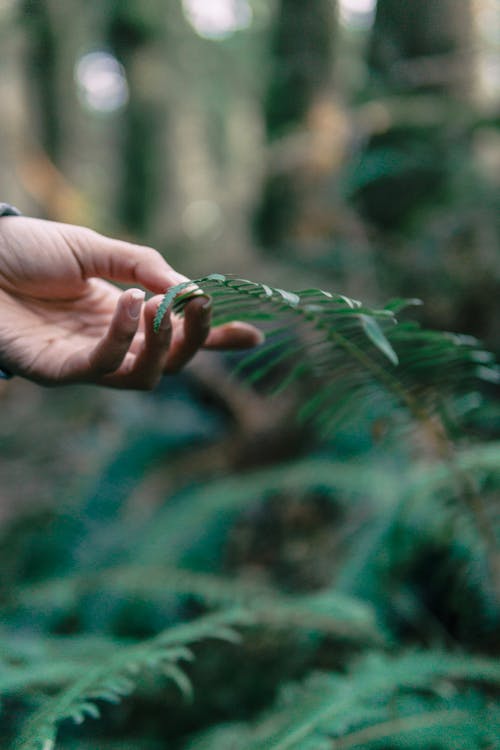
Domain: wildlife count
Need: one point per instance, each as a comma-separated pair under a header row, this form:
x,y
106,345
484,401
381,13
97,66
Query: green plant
x,y
336,654
354,355
371,703
117,673
347,345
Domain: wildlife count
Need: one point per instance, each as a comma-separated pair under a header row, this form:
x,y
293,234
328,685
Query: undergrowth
x,y
358,588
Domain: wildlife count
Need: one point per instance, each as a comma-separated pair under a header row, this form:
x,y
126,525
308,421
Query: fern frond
x,y
442,727
458,727
348,347
115,676
422,521
330,612
174,537
24,677
328,709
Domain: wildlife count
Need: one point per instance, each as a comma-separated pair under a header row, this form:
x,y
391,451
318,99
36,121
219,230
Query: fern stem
x,y
472,500
404,725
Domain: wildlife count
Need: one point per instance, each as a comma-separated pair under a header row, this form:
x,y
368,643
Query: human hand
x,y
62,322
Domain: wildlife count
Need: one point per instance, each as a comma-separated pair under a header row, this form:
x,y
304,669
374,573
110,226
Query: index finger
x,y
117,260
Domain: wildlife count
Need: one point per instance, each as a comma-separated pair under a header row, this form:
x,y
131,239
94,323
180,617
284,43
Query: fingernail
x,y
135,304
207,306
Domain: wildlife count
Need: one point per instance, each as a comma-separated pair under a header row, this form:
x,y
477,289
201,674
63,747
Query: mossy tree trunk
x,y
299,109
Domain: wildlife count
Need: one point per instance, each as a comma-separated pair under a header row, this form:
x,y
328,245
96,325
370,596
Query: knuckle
x,y
86,237
148,253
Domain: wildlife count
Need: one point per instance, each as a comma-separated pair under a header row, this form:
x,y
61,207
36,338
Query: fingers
x,y
104,257
146,360
90,365
112,348
234,335
135,357
152,354
190,336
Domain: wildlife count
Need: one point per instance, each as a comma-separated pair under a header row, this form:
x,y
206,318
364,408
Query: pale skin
x,y
62,320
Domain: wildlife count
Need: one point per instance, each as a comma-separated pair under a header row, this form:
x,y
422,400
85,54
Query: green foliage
x,y
330,710
115,677
351,709
330,613
352,349
358,687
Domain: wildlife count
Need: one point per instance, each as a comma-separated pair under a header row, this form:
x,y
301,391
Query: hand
x,y
60,322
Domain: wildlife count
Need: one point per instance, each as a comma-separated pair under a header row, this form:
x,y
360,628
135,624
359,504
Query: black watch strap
x,y
7,210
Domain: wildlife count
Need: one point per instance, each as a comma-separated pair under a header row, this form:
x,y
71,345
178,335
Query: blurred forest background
x,y
350,145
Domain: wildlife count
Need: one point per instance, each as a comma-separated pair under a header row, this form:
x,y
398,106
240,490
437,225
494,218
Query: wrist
x,y
7,210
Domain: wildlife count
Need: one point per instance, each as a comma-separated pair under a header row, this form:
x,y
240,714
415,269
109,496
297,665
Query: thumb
x,y
116,260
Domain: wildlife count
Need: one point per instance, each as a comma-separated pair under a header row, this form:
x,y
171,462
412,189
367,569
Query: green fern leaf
x,y
115,676
460,726
352,349
440,728
330,612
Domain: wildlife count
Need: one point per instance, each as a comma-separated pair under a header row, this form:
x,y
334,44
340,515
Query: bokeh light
x,y
357,14
202,219
6,8
102,83
217,19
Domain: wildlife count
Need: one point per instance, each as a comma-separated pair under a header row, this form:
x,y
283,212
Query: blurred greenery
x,y
196,567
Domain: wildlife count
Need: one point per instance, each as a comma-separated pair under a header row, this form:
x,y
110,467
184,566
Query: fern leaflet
x,y
115,676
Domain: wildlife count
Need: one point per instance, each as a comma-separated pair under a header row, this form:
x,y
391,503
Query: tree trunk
x,y
55,157
298,109
302,48
423,44
137,35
